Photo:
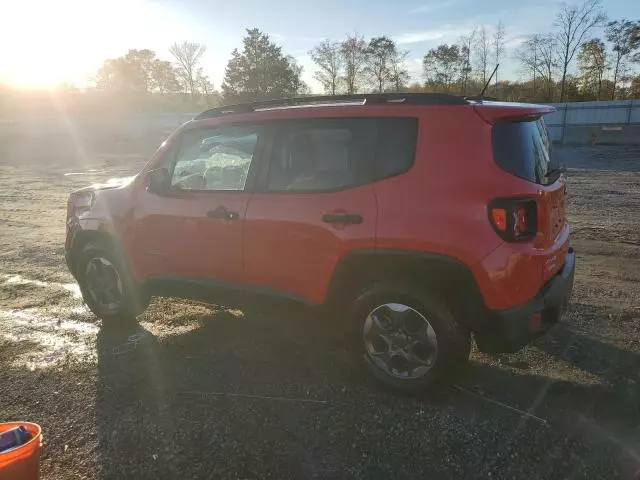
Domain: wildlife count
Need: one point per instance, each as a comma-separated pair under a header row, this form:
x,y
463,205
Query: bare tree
x,y
498,46
398,69
298,86
537,56
574,22
138,70
187,60
328,58
482,52
634,88
548,62
164,78
528,54
466,46
625,37
204,84
592,62
380,53
354,56
442,66
206,89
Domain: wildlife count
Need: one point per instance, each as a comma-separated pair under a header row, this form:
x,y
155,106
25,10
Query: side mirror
x,y
158,181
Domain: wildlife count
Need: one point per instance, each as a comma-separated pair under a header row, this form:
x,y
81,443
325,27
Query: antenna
x,y
488,81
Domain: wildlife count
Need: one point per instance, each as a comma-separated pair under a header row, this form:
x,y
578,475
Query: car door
x,y
195,230
314,203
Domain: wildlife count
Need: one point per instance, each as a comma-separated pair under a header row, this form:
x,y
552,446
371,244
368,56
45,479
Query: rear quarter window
x,y
396,146
524,150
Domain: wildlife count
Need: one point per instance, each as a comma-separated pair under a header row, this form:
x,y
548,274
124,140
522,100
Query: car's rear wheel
x,y
409,339
107,286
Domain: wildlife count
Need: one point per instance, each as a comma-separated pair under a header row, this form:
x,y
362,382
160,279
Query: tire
x,y
130,301
407,308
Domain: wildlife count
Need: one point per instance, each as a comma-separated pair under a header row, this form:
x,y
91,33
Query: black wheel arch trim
x,y
415,264
81,238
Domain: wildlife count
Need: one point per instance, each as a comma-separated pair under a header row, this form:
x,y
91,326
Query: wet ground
x,y
201,391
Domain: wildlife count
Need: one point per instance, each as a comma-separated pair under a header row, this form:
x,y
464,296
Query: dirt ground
x,y
202,392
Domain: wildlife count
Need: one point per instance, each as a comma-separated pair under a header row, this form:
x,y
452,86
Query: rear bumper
x,y
510,330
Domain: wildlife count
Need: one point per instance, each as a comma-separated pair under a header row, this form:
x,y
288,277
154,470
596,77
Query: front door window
x,y
216,159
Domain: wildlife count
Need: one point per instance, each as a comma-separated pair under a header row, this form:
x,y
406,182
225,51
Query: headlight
x,y
80,202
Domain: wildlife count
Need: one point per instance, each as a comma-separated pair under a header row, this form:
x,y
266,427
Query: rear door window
x,y
524,150
320,155
334,154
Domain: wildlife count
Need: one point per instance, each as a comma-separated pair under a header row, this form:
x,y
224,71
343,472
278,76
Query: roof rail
x,y
364,98
478,98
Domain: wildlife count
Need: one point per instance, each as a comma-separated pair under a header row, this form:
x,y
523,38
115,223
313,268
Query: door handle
x,y
342,218
221,213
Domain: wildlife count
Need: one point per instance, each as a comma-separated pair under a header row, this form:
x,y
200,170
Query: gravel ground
x,y
201,392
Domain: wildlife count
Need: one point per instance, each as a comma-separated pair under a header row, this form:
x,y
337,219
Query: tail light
x,y
514,219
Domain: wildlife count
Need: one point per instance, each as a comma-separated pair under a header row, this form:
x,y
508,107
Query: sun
x,y
49,42
36,41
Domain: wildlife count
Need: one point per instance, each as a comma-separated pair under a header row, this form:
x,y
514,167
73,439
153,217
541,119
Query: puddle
x,y
65,332
31,319
79,310
58,339
91,171
18,280
72,288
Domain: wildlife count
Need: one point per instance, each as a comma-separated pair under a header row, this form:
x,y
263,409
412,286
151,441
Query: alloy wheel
x,y
103,284
400,341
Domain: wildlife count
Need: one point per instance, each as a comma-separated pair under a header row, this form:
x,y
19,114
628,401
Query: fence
x,y
610,122
129,126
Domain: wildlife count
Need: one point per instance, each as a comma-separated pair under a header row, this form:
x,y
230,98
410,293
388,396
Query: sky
x,y
48,42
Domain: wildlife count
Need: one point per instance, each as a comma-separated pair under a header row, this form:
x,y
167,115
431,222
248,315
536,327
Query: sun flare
x,y
47,43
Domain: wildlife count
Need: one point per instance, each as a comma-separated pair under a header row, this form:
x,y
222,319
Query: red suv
x,y
418,218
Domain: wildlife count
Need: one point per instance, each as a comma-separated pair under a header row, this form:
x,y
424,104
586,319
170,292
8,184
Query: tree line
x,y
605,69
355,65
259,69
141,72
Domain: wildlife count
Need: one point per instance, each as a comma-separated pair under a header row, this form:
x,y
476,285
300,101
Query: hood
x,y
109,184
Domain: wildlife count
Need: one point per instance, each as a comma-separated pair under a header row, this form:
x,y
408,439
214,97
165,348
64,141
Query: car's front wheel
x,y
408,338
107,287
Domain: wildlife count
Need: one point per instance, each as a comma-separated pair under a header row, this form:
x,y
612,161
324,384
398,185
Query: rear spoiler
x,y
493,112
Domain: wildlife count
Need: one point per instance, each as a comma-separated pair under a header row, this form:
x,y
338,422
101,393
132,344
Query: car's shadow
x,y
274,397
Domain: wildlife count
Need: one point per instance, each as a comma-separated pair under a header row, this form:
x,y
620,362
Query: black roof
x,y
364,98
